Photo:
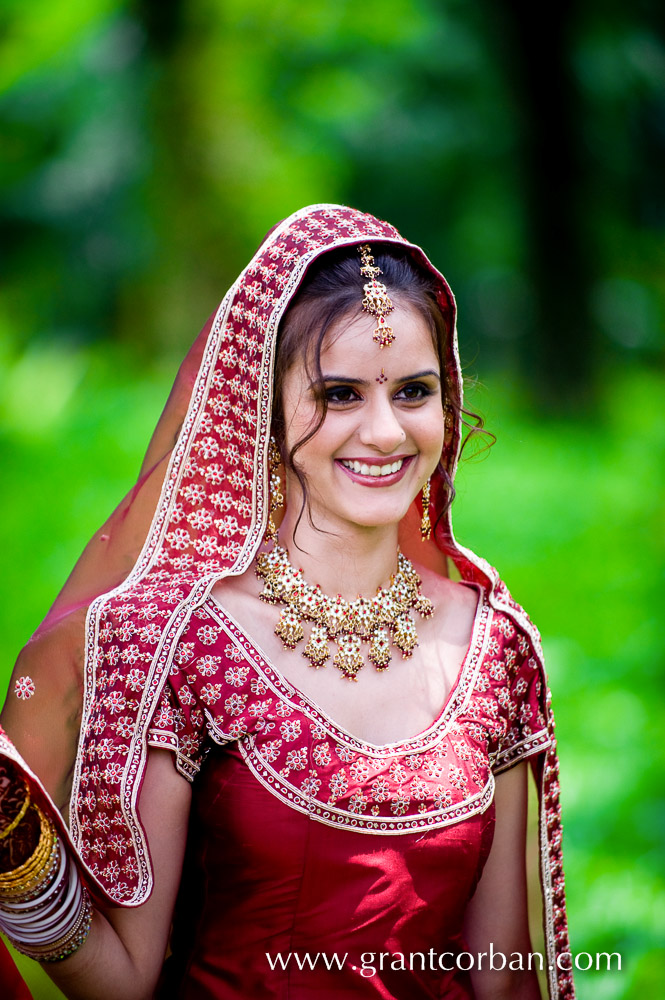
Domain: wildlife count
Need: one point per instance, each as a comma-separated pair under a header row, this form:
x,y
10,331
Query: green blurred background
x,y
147,148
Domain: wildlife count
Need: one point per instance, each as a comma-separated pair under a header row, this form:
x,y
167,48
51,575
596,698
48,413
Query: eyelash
x,y
423,392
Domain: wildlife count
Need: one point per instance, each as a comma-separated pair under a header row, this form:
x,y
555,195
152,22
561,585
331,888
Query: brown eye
x,y
341,394
414,391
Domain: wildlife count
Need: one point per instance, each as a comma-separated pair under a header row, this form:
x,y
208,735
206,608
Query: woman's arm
x,y
497,913
125,949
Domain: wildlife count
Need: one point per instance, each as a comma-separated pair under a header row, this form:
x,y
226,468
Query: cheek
x,y
431,429
316,449
321,446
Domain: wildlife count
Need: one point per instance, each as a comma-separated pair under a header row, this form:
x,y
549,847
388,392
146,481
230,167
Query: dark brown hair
x,y
332,289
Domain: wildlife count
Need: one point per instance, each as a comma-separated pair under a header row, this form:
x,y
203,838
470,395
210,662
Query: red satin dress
x,y
320,866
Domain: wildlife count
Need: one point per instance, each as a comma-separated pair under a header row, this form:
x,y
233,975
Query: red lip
x,y
375,482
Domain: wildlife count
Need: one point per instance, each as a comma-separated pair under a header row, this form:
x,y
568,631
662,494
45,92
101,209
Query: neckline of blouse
x,y
458,695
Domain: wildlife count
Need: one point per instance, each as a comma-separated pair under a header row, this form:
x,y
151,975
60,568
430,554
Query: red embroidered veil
x,y
198,512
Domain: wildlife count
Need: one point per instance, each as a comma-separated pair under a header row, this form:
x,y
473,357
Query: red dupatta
x,y
199,512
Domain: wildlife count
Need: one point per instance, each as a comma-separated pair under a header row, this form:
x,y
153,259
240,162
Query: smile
x,y
373,470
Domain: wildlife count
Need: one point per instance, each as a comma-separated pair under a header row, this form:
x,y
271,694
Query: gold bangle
x,y
20,814
31,887
30,880
32,872
38,855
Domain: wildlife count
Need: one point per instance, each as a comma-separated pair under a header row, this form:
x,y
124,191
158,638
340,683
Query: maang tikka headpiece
x,y
376,301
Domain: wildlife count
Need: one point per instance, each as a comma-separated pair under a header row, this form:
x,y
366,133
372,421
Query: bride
x,y
350,698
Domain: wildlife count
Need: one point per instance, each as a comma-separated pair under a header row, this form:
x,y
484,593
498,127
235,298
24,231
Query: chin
x,y
374,519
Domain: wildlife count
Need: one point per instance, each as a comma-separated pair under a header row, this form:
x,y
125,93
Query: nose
x,y
381,427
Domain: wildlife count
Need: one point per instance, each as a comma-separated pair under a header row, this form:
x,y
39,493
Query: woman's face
x,y
384,429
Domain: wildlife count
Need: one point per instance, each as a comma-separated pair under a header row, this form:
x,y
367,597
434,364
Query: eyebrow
x,y
406,378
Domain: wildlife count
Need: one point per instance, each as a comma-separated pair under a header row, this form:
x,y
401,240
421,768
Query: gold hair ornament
x,y
377,302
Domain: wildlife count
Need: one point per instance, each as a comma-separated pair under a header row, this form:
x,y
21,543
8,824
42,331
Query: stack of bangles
x,y
45,910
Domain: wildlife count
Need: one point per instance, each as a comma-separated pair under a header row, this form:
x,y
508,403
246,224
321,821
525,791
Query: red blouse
x,y
319,865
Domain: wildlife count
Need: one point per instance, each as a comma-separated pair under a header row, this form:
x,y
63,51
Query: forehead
x,y
349,344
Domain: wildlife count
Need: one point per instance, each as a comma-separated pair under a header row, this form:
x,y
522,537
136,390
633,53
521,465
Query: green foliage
x,y
144,155
575,527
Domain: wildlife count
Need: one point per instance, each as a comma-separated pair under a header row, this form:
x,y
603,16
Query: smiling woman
x,y
227,802
384,434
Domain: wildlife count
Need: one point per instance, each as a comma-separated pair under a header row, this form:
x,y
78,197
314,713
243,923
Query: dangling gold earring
x,y
425,523
276,496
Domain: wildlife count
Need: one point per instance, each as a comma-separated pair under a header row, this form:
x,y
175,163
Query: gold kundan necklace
x,y
378,621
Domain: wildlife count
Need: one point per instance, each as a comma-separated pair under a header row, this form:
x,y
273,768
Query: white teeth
x,y
374,470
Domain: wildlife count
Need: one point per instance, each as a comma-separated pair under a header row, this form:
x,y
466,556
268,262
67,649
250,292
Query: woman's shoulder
x,y
472,608
235,592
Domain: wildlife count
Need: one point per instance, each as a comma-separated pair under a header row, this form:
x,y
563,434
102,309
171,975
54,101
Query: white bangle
x,y
53,924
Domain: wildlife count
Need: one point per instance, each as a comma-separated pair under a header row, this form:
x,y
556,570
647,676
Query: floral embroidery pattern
x,y
437,778
24,688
